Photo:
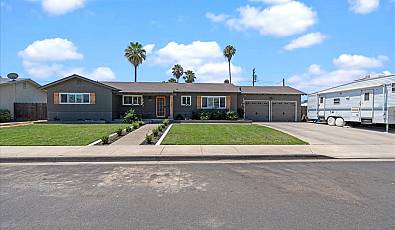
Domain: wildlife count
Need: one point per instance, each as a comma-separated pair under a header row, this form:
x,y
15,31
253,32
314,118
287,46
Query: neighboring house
x,y
21,97
367,100
79,98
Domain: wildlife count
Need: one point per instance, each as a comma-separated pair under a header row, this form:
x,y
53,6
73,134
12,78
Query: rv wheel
x,y
339,122
331,121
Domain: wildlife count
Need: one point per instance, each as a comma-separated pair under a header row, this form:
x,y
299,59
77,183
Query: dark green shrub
x,y
141,123
5,115
128,129
217,115
179,117
161,127
231,115
130,116
204,115
155,132
149,139
135,125
105,140
240,113
119,131
166,122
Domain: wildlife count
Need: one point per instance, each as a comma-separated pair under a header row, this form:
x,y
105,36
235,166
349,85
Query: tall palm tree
x,y
229,52
177,71
135,53
189,76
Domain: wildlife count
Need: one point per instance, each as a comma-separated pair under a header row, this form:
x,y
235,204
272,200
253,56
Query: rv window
x,y
366,97
336,101
321,100
393,87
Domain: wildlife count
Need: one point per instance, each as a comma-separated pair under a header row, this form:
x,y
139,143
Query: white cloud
x,y
315,78
387,72
43,59
61,7
271,2
52,49
204,58
148,48
363,6
305,41
286,19
216,17
359,61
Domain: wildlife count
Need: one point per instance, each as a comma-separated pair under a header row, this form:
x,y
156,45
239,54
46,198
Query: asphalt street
x,y
330,195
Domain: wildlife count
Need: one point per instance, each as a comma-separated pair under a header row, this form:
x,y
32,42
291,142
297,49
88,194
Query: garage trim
x,y
271,106
244,106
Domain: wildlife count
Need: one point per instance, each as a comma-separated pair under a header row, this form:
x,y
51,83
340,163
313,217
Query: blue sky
x,y
312,44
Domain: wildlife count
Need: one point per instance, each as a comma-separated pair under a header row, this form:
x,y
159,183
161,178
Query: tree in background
x,y
177,71
135,53
172,80
229,52
189,76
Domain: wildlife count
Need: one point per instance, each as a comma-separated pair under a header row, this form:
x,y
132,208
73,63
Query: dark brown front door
x,y
161,106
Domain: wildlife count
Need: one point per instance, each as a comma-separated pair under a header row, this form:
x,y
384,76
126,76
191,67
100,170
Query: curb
x,y
164,135
161,158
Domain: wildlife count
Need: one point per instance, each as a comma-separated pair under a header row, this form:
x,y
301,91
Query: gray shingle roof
x,y
160,87
270,90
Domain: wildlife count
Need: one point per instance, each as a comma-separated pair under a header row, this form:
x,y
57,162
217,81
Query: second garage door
x,y
283,111
257,110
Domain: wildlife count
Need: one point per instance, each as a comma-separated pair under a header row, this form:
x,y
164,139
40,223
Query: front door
x,y
161,106
366,104
321,106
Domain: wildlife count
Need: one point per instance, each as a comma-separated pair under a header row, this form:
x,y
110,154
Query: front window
x,y
213,102
132,100
74,98
186,100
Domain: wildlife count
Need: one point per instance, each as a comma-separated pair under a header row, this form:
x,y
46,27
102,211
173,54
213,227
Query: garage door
x,y
257,110
283,111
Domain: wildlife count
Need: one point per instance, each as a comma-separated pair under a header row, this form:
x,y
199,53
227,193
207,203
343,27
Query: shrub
x,y
5,115
240,113
155,132
204,115
166,122
128,129
161,127
141,123
148,139
217,115
105,140
135,125
231,115
130,116
119,131
179,117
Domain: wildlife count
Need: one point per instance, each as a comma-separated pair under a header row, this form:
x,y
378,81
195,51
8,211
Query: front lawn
x,y
56,134
227,134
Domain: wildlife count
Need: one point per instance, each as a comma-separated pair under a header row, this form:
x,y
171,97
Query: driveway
x,y
320,134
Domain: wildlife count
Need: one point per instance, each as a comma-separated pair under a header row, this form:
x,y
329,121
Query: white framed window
x,y
74,98
213,102
132,100
336,101
186,100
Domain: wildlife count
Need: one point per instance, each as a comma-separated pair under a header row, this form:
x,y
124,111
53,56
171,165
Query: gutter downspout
x,y
385,108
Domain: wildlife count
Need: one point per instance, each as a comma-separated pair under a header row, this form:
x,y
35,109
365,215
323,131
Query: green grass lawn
x,y
227,134
56,134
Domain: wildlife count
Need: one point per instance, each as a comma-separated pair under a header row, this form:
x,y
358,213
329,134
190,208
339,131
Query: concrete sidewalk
x,y
168,152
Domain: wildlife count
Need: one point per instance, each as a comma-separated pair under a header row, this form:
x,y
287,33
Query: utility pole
x,y
283,82
254,77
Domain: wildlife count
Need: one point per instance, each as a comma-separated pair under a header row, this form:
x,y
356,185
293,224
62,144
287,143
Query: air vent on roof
x,y
12,76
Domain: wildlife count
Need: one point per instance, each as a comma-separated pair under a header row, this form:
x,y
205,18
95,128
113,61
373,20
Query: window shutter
x,y
56,98
93,98
228,98
198,102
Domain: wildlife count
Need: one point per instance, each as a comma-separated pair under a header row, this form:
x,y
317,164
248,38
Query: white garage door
x,y
283,111
257,110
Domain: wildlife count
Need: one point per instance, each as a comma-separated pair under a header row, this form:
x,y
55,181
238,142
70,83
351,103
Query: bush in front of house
x,y
149,138
105,140
179,117
130,116
231,115
5,115
135,125
141,123
128,129
155,132
161,127
166,122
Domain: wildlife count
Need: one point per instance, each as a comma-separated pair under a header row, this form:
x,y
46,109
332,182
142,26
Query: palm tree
x,y
177,71
172,80
229,52
189,76
135,53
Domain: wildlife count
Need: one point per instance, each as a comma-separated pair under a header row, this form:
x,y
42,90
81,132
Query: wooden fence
x,y
30,111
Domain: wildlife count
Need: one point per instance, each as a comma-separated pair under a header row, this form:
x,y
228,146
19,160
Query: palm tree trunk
x,y
230,74
135,73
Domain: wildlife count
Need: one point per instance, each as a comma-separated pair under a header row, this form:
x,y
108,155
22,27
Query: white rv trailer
x,y
370,100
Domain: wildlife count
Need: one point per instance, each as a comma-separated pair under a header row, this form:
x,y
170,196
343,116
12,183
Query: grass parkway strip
x,y
227,134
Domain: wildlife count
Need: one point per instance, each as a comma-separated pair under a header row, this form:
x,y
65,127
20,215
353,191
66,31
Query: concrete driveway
x,y
320,134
